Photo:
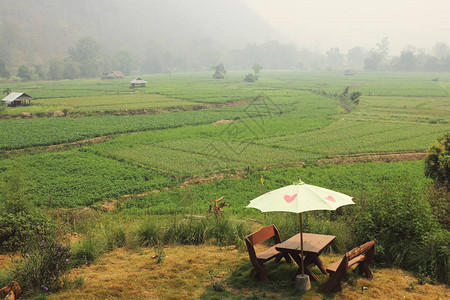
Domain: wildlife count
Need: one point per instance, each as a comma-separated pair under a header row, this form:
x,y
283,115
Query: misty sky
x,y
321,24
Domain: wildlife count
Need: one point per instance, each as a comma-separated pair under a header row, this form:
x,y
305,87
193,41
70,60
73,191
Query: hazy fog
x,y
190,35
347,23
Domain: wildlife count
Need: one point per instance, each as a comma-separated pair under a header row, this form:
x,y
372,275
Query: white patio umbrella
x,y
298,198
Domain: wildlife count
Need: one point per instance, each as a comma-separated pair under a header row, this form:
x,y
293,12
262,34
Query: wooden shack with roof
x,y
16,99
138,82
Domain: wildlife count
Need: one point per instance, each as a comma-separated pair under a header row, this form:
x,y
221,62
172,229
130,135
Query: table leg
x,y
319,264
307,261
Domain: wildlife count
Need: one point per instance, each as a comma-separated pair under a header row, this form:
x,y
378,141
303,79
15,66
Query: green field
x,y
283,119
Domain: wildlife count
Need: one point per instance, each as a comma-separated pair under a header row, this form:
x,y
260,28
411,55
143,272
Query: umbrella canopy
x,y
300,197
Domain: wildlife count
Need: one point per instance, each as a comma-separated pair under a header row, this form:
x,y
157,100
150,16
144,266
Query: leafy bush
x,y
405,232
355,96
40,269
20,221
430,258
437,161
250,77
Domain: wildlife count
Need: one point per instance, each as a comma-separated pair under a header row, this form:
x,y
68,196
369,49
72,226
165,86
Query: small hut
x,y
15,99
218,75
138,82
349,73
114,75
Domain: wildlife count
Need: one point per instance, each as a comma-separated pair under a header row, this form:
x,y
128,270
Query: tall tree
x,y
407,61
4,73
355,57
373,60
86,52
383,46
257,68
124,61
220,68
334,58
24,73
441,50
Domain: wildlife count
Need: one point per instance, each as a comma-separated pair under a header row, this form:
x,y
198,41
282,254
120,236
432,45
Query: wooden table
x,y
313,245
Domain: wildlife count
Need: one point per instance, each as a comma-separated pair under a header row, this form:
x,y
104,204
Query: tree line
x,y
87,60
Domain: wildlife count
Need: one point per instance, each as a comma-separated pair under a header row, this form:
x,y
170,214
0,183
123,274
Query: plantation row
x,y
21,133
383,180
99,104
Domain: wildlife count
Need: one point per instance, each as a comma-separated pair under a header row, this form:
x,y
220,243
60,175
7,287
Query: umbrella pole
x,y
301,243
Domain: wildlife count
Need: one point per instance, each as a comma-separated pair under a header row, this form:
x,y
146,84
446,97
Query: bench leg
x,y
260,272
333,284
363,267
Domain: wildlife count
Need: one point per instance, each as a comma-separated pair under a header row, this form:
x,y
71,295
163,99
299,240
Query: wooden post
x,y
301,244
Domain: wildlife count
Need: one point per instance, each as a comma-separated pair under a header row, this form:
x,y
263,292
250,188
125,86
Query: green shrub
x,y
20,220
437,161
250,77
430,257
39,271
405,232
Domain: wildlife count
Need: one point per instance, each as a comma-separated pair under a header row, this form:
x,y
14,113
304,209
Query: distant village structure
x,y
218,75
138,82
349,73
16,99
114,75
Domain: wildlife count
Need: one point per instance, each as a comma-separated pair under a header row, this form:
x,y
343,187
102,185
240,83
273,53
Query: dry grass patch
x,y
184,273
187,272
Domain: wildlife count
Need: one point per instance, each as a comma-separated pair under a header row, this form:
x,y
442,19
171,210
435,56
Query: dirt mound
x,y
222,122
373,157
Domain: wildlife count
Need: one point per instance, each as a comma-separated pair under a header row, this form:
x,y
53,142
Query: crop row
x,y
77,178
110,103
20,133
363,181
348,137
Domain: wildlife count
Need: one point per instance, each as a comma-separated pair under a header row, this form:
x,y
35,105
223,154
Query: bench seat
x,y
268,254
332,268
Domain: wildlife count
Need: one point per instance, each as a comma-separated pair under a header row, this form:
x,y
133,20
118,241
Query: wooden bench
x,y
257,260
362,255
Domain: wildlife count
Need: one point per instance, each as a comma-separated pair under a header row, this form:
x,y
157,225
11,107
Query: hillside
x,y
34,31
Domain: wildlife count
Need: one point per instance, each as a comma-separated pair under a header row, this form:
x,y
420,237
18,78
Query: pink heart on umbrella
x,y
289,199
330,198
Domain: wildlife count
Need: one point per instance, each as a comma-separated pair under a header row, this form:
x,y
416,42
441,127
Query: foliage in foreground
x,y
20,220
40,270
437,162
